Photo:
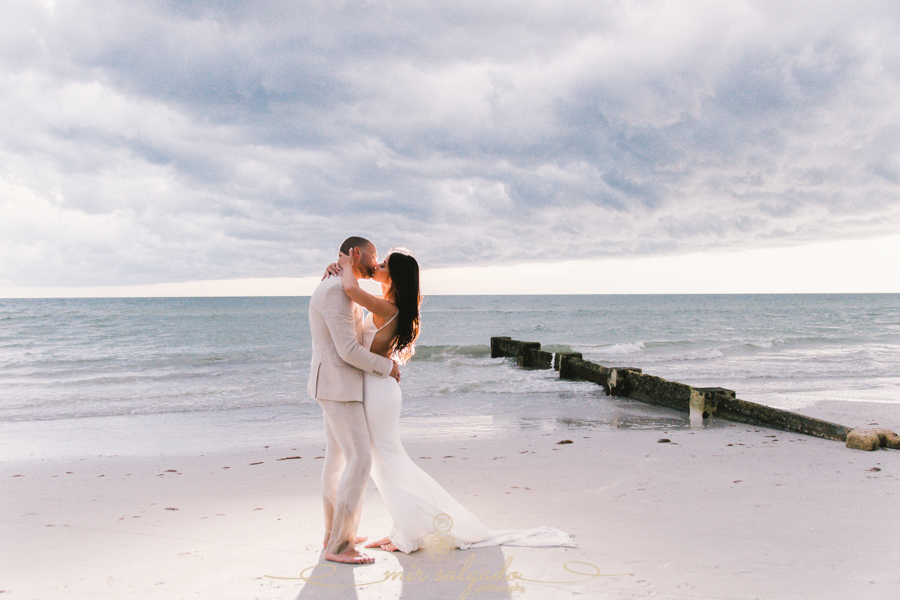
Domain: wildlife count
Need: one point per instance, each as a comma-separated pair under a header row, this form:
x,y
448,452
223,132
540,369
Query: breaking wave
x,y
444,352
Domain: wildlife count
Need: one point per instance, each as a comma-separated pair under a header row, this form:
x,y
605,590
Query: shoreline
x,y
245,429
726,511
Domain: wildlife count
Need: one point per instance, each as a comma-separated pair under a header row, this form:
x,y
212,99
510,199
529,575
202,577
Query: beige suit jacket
x,y
338,359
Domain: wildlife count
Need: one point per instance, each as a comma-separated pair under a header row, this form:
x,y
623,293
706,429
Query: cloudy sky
x,y
173,142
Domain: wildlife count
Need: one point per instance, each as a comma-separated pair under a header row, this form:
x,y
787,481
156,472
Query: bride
x,y
419,506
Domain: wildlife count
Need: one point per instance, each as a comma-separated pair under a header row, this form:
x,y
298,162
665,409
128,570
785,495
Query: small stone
x,y
663,441
872,439
863,439
875,469
888,438
565,442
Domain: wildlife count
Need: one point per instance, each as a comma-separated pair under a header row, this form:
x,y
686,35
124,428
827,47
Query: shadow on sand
x,y
458,574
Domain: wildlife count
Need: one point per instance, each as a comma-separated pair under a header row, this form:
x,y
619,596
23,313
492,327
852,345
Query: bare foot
x,y
357,540
389,547
350,557
379,543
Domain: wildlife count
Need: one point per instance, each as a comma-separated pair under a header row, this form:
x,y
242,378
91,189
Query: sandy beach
x,y
722,512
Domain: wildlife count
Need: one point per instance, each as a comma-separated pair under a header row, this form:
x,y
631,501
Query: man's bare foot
x,y
389,547
357,540
350,557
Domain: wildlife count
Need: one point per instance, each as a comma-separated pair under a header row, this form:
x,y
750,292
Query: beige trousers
x,y
348,460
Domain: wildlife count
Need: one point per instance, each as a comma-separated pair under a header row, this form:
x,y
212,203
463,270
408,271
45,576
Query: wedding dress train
x,y
419,506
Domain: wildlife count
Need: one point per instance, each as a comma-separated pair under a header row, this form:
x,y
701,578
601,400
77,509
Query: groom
x,y
336,382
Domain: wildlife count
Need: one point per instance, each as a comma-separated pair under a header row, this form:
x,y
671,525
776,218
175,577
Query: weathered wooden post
x,y
535,358
527,354
559,356
734,409
575,367
653,390
497,346
504,346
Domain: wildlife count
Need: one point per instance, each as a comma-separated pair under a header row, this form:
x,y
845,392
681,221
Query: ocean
x,y
169,375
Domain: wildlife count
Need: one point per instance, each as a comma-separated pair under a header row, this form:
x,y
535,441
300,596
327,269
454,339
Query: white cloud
x,y
178,141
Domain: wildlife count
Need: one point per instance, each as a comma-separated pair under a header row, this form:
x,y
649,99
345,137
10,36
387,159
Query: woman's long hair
x,y
404,272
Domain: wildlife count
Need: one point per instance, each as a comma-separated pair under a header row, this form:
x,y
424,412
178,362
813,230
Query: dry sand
x,y
723,512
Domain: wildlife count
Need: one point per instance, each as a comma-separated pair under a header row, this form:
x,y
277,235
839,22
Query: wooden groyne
x,y
631,382
527,354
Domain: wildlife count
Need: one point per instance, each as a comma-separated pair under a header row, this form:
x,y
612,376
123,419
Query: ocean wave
x,y
766,344
556,348
66,409
627,348
444,352
710,354
501,387
699,355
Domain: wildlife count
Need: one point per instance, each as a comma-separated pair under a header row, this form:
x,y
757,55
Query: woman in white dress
x,y
419,506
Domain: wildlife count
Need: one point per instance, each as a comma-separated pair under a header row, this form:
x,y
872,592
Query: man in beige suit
x,y
336,382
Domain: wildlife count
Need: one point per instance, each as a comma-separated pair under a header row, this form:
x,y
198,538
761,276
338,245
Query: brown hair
x,y
354,241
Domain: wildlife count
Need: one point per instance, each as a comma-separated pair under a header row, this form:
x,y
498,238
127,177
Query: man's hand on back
x,y
395,372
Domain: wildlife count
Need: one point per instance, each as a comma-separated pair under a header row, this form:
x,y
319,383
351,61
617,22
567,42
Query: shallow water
x,y
155,375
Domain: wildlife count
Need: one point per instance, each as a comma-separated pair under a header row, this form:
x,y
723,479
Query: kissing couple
x,y
355,378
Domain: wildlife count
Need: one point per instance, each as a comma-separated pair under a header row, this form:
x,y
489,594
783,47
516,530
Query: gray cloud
x,y
170,141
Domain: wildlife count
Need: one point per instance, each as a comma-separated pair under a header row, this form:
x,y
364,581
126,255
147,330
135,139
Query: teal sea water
x,y
214,374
